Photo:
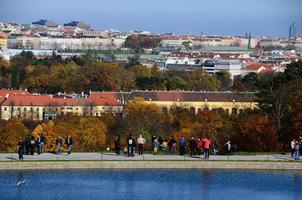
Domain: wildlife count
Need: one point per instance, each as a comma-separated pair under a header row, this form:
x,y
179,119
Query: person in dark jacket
x,y
182,145
20,149
38,143
117,144
59,144
42,143
152,140
27,144
192,146
131,145
172,145
32,145
69,143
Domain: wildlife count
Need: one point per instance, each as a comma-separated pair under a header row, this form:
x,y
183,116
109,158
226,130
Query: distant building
x,y
24,105
292,32
234,67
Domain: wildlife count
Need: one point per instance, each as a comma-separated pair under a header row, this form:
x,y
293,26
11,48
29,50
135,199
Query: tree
x,y
199,79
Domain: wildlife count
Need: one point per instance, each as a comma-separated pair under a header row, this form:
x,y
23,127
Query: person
x,y
165,145
215,148
20,149
32,145
27,144
160,141
228,147
152,140
38,143
59,144
117,144
42,143
141,141
182,145
296,151
300,140
199,146
292,146
130,145
69,143
172,145
206,145
156,145
192,146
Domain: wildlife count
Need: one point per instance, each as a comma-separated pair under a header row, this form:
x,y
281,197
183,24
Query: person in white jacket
x,y
141,142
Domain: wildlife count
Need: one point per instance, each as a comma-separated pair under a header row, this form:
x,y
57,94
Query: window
x,y
5,108
24,109
37,109
38,115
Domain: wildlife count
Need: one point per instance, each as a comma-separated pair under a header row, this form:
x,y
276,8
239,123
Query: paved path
x,y
112,156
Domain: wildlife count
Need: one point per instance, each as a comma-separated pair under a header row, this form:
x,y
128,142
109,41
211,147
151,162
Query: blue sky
x,y
222,17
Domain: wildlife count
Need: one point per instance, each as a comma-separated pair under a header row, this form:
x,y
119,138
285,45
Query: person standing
x,y
130,145
42,143
38,143
69,143
292,146
172,145
27,144
182,145
20,149
296,151
141,142
192,146
59,144
206,145
117,144
199,146
228,147
152,140
32,145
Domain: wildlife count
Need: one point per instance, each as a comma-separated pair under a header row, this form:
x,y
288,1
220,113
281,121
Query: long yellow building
x,y
24,105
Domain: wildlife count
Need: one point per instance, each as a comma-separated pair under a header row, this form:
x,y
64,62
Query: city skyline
x,y
270,18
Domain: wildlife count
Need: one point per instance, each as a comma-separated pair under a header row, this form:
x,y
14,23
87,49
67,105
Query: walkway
x,y
112,156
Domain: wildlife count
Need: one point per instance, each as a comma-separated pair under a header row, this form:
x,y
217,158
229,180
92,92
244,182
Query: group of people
x,y
196,146
296,148
68,142
30,145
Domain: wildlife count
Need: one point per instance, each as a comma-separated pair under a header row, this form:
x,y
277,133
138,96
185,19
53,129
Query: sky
x,y
221,17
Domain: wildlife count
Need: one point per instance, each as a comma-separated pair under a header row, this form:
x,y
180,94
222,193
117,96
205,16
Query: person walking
x,y
59,144
20,149
32,145
152,140
141,142
42,143
117,144
192,146
206,145
27,145
130,145
182,145
69,143
156,146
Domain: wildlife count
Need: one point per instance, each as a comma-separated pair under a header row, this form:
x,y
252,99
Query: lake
x,y
150,184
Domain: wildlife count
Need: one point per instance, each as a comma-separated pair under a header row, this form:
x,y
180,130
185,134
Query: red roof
x,y
13,92
257,66
104,98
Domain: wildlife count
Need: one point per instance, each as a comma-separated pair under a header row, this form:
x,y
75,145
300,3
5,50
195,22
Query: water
x,y
150,184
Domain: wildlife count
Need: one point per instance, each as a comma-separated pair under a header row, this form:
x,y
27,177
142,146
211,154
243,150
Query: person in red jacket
x,y
206,145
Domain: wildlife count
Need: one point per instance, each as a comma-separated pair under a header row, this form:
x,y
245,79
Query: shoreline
x,y
163,164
